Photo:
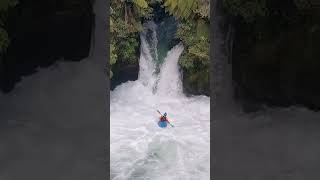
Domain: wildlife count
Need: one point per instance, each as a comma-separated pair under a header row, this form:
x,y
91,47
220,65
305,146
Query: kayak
x,y
162,124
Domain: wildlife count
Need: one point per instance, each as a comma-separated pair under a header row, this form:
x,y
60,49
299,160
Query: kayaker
x,y
164,117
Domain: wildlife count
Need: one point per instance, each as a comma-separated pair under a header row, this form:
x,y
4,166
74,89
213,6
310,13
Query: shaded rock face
x,y
196,83
280,69
42,32
124,72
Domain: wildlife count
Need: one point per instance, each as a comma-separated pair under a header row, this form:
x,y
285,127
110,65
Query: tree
x,y
183,9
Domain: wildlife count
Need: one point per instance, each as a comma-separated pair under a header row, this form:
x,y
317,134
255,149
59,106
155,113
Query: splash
x,y
139,149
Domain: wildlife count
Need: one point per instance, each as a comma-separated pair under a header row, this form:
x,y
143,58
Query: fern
x,y
203,8
180,8
141,3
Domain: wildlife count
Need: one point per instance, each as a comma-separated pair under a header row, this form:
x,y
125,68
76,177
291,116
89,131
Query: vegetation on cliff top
x,y
193,30
125,24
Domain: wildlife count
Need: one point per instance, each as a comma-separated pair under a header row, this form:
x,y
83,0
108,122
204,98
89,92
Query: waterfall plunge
x,y
139,149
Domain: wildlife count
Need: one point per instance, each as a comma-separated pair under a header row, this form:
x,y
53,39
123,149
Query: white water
x,y
139,149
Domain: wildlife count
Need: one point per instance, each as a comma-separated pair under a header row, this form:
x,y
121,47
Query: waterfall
x,y
170,80
148,54
146,66
139,149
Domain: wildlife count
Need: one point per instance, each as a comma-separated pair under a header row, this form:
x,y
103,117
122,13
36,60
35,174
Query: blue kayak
x,y
162,124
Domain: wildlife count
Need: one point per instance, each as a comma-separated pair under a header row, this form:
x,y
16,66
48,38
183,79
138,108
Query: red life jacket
x,y
162,118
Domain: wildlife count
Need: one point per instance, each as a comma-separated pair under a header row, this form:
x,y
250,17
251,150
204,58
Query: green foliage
x,y
203,9
180,8
198,82
193,30
141,3
185,32
194,36
123,30
111,24
113,55
127,49
125,24
184,9
200,50
186,62
203,29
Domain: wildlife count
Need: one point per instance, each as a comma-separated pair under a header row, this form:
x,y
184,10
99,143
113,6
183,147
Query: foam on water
x,y
139,149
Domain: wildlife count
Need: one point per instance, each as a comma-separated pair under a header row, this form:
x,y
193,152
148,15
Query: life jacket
x,y
162,118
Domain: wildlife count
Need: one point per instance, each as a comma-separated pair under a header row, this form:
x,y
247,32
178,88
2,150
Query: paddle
x,y
167,120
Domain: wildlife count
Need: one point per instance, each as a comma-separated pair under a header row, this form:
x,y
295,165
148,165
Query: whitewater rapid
x,y
139,149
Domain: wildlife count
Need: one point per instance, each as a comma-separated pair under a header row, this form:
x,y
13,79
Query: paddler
x,y
164,118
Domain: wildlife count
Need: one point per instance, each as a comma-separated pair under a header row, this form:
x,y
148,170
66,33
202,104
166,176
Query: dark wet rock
x,y
123,72
196,83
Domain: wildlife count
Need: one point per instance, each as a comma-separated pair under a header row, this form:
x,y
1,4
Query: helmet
x,y
165,114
